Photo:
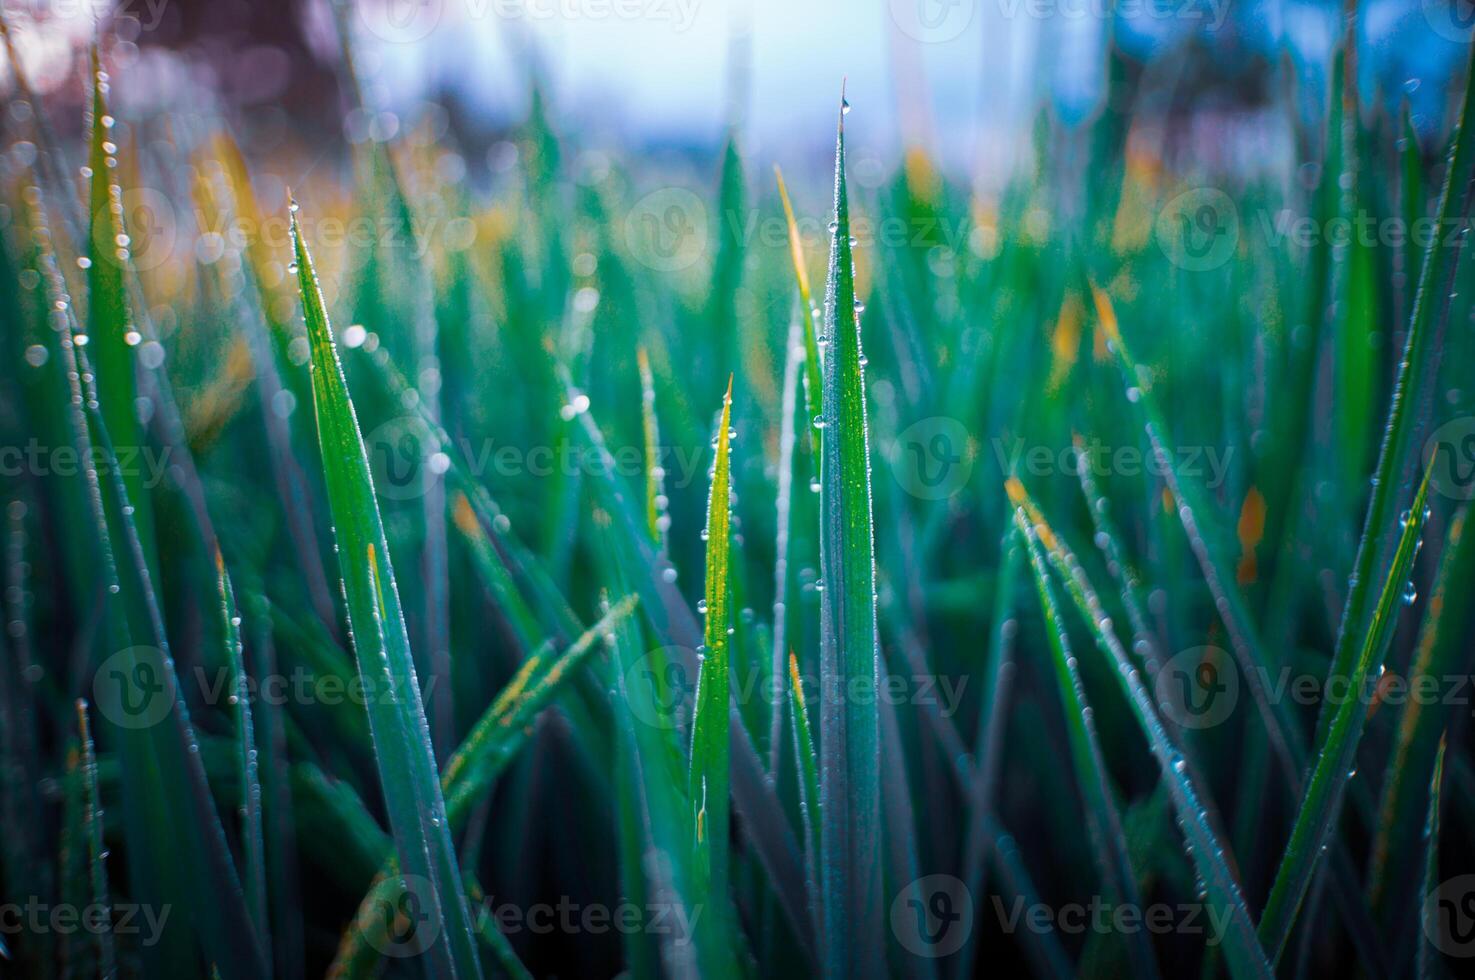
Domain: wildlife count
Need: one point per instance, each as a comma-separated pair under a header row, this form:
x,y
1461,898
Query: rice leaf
x,y
1109,843
1335,755
1427,965
650,428
850,804
482,757
707,784
109,322
167,803
813,382
1443,651
92,825
808,768
253,839
1242,950
1411,405
402,746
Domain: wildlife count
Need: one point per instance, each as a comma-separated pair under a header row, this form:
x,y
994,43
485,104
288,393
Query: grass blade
x,y
1109,843
167,800
477,762
850,748
1411,406
1336,753
1443,651
808,768
253,876
707,784
92,824
109,322
1242,950
402,746
1427,964
813,383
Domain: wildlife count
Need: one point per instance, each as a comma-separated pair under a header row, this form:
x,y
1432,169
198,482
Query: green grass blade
x,y
109,322
655,492
669,616
1427,964
708,780
97,875
813,382
1336,754
1207,544
167,798
1205,540
653,767
1104,820
1411,405
253,839
808,768
477,762
785,542
1443,651
1242,950
402,746
850,803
